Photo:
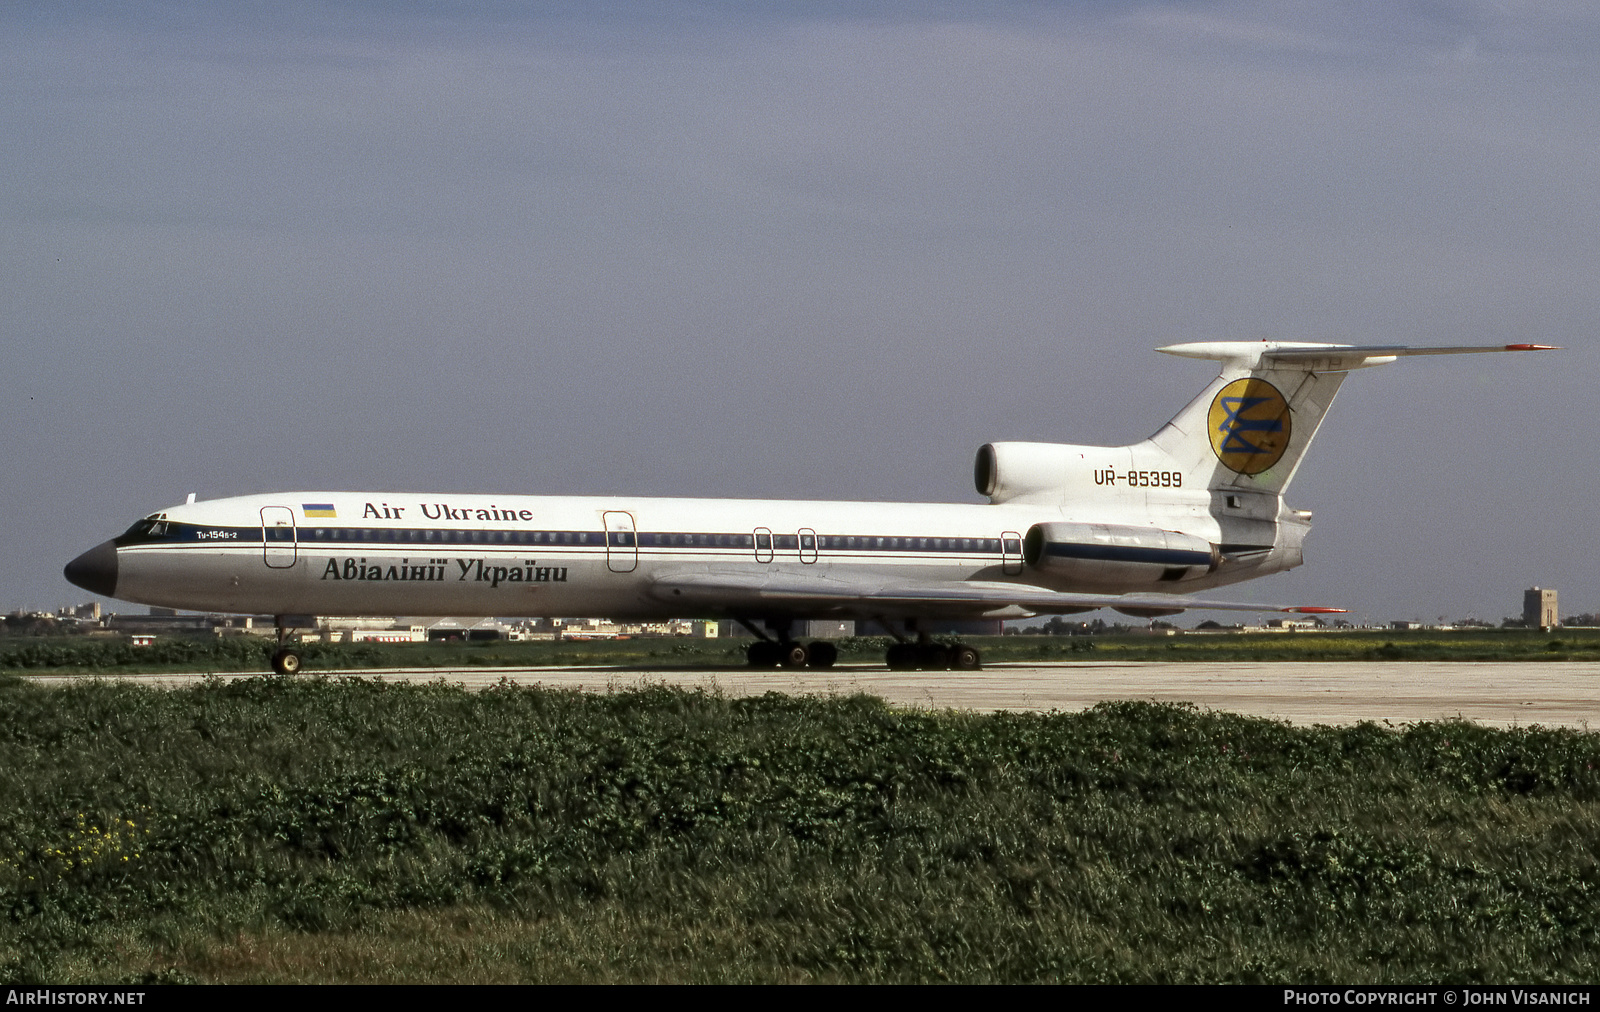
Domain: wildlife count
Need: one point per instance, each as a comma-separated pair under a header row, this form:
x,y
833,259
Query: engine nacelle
x,y
1112,555
1008,471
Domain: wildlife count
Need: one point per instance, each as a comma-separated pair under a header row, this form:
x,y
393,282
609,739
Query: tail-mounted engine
x,y
1012,472
1116,555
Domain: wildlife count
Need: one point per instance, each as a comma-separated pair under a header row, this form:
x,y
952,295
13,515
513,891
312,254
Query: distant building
x,y
409,634
1292,624
465,629
166,622
1539,609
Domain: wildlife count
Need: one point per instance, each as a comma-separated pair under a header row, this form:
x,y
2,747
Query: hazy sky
x,y
798,251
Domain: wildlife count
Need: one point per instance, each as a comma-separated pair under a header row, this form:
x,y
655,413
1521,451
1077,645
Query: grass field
x,y
82,654
345,830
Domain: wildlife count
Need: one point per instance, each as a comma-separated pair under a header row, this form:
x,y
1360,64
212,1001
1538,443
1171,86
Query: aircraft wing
x,y
804,594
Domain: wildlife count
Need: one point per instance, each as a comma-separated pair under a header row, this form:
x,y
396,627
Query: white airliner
x,y
1067,529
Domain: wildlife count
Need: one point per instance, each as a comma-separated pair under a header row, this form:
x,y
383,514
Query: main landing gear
x,y
783,651
778,649
924,653
285,660
934,656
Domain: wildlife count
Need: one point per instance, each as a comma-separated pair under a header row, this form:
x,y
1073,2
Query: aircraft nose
x,y
95,570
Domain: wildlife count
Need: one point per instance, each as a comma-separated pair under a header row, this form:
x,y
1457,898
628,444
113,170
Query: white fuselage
x,y
569,556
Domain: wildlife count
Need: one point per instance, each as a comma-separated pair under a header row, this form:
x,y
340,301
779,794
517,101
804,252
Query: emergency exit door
x,y
1011,553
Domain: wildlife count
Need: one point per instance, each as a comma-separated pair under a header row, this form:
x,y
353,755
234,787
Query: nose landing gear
x,y
286,659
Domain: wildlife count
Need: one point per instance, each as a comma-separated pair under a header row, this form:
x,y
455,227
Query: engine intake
x,y
1117,555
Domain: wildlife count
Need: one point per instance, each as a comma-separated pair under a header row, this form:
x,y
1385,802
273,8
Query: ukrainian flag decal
x,y
318,509
1250,425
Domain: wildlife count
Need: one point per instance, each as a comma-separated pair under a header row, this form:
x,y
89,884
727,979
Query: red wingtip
x,y
1532,347
1309,610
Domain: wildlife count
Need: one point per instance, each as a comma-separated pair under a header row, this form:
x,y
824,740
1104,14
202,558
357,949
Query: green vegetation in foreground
x,y
319,830
80,654
1339,645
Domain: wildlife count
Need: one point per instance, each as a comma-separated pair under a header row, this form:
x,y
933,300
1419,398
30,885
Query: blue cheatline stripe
x,y
166,532
1128,553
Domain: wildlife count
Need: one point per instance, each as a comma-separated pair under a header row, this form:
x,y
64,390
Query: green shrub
x,y
779,838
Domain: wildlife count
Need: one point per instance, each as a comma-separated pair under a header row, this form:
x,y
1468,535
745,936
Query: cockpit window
x,y
150,527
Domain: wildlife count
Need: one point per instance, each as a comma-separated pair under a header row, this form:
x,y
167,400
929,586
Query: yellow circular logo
x,y
1249,423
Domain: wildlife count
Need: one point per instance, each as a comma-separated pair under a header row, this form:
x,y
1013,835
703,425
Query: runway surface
x,y
1492,693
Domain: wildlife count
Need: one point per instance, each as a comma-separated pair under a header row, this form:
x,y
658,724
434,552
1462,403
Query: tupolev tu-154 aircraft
x,y
1067,528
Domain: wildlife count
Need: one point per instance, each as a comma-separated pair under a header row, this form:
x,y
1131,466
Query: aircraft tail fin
x,y
1251,426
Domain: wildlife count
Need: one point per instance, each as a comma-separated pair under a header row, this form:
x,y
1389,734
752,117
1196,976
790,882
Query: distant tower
x,y
1539,609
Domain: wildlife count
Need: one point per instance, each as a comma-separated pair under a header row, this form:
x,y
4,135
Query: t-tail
x,y
1245,433
1250,428
1213,477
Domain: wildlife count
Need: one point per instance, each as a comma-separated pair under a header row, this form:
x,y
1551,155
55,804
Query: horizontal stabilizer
x,y
1400,350
1250,428
1327,356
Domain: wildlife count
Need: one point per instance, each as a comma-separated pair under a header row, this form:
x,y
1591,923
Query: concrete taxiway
x,y
1493,693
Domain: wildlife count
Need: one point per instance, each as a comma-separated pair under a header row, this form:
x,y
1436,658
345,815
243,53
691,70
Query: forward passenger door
x,y
278,542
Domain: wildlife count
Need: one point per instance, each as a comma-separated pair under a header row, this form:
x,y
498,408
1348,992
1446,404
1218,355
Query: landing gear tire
x,y
286,662
767,654
823,654
932,657
964,658
764,654
901,656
